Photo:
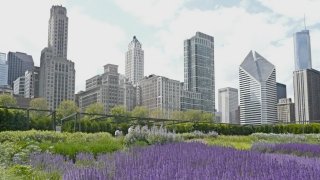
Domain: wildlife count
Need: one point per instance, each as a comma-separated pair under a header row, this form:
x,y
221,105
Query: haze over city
x,y
99,33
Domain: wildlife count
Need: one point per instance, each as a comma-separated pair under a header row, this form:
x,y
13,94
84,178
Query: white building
x,y
57,73
32,83
18,86
285,110
160,94
228,105
258,91
3,70
134,65
110,89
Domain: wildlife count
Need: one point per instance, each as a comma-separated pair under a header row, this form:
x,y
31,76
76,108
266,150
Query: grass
x,y
237,142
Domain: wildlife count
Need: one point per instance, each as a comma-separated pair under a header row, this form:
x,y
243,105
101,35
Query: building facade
x,y
190,100
199,68
134,65
57,73
160,94
302,50
18,64
3,70
281,91
18,86
285,110
228,105
306,85
32,83
109,89
258,91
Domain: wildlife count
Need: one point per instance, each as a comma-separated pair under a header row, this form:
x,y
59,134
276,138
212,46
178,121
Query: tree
x,y
157,114
40,119
119,111
66,108
7,100
178,115
140,112
193,115
95,108
207,117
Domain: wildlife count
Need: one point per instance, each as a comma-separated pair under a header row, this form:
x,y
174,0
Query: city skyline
x,y
100,40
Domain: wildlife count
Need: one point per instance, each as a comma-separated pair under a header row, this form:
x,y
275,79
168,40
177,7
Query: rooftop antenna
x,y
304,20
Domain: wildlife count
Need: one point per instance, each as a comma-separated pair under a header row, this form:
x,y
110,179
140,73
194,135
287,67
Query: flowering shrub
x,y
310,150
200,135
186,161
155,135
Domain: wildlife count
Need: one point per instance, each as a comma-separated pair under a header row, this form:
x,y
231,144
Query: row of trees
x,y
42,119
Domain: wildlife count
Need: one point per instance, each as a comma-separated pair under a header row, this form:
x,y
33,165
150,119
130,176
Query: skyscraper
x,y
306,85
281,91
134,61
3,70
58,31
18,64
199,68
57,73
258,91
302,50
228,105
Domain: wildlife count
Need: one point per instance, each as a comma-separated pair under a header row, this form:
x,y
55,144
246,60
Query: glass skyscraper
x,y
302,50
199,68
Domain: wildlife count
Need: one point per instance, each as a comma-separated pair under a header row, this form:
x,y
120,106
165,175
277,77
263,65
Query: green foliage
x,y
66,108
119,111
7,100
95,108
13,120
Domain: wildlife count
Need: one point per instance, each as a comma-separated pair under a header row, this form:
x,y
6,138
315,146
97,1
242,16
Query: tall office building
x,y
3,70
58,31
285,109
18,86
258,91
228,105
199,68
302,50
57,73
109,89
161,94
134,61
306,85
281,91
18,64
31,88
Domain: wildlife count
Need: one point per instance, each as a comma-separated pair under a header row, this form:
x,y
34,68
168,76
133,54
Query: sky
x,y
100,31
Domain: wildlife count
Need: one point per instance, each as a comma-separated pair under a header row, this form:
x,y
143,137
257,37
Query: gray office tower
x,y
199,69
3,70
57,73
302,50
281,91
258,91
306,85
18,64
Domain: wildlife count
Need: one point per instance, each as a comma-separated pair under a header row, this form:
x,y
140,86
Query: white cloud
x,y
151,12
93,44
295,9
